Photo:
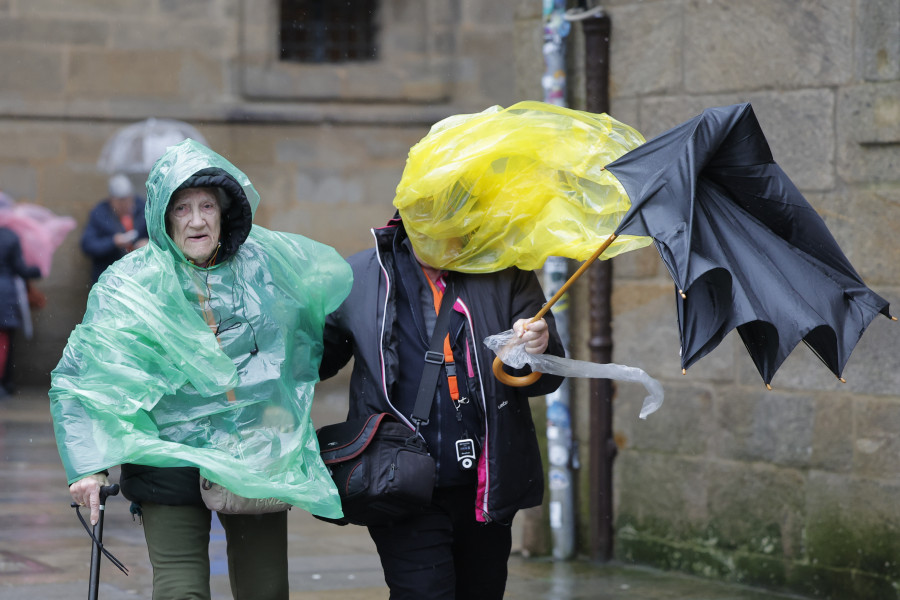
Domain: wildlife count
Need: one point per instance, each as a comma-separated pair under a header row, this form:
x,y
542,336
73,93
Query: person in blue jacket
x,y
115,227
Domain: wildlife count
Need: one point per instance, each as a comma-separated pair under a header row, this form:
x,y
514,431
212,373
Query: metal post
x,y
603,449
556,273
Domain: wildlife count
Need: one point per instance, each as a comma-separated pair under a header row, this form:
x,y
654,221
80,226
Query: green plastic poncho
x,y
144,378
503,187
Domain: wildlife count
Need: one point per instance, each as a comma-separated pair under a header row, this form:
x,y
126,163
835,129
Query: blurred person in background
x,y
12,266
38,233
116,226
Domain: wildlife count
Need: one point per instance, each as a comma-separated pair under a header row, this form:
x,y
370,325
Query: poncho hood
x,y
190,164
179,365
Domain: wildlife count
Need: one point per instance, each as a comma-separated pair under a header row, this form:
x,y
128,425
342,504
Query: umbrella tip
x,y
768,387
682,294
842,380
893,318
684,371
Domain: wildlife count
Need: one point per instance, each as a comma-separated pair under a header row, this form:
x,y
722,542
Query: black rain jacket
x,y
510,476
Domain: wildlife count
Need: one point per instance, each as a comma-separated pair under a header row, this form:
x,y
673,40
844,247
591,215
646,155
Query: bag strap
x,y
434,359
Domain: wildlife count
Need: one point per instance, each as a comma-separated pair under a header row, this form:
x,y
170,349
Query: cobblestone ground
x,y
45,553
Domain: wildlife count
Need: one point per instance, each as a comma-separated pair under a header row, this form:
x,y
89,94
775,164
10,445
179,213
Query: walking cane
x,y
97,537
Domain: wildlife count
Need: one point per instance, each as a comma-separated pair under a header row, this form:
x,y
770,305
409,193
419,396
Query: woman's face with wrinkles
x,y
195,219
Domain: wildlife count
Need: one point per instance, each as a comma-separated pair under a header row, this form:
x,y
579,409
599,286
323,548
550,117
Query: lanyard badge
x,y
465,446
465,454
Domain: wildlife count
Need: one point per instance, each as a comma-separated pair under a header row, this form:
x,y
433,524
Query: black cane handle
x,y
105,492
108,490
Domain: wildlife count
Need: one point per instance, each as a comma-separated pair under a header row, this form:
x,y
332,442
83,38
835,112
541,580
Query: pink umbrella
x,y
40,230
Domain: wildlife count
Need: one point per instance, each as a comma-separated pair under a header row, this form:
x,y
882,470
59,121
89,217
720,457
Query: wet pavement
x,y
45,552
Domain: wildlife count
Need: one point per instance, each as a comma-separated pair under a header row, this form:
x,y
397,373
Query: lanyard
x,y
452,384
214,327
465,446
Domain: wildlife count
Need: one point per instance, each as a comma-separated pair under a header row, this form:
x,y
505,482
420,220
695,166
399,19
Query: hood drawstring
x,y
212,259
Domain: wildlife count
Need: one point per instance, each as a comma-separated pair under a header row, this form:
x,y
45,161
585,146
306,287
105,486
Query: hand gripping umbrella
x,y
504,187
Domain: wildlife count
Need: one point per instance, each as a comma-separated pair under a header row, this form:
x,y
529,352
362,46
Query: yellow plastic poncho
x,y
486,191
145,380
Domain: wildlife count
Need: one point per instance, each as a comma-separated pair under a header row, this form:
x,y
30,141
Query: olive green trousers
x,y
178,543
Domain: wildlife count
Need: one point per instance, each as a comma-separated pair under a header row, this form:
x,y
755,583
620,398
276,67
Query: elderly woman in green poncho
x,y
197,358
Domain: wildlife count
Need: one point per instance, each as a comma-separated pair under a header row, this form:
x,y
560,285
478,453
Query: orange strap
x,y
211,322
128,223
452,384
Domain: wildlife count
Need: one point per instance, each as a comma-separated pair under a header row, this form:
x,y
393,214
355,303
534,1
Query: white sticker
x,y
555,515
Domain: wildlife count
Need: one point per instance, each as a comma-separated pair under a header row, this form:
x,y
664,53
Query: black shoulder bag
x,y
382,469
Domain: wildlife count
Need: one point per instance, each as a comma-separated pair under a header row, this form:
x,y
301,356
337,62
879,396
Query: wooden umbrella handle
x,y
512,380
522,381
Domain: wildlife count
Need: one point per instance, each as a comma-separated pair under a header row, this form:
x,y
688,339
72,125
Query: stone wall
x,y
794,488
324,144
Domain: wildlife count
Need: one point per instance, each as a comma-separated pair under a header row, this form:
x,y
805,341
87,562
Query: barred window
x,y
328,31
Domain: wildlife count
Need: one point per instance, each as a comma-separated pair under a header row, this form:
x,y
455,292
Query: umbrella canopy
x,y
134,149
40,230
744,247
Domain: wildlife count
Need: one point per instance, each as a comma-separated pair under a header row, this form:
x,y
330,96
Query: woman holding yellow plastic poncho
x,y
196,358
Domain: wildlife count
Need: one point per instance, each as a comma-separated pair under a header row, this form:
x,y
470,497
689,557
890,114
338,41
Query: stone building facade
x,y
793,488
